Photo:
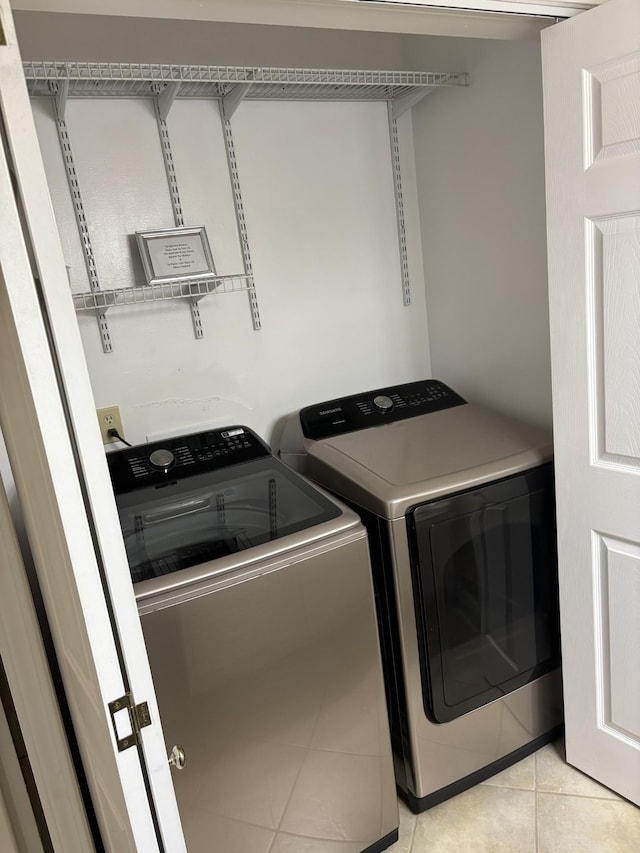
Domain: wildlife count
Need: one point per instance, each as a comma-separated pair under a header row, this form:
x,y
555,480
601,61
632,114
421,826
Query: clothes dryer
x,y
459,506
256,603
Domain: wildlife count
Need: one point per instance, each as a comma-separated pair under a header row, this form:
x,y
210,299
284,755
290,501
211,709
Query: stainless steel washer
x,y
255,595
458,502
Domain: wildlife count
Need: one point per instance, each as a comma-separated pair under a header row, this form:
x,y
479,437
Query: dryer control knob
x,y
383,403
162,459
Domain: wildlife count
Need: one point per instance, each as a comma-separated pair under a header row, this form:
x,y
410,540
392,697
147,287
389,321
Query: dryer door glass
x,y
484,571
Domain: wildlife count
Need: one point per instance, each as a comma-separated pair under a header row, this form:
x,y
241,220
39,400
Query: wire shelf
x,y
133,80
100,300
229,84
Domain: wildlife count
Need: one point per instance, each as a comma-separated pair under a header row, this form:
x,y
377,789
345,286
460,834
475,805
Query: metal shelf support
x,y
240,218
162,108
397,189
59,104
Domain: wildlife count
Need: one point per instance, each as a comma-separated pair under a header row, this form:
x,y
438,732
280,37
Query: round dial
x,y
162,459
383,403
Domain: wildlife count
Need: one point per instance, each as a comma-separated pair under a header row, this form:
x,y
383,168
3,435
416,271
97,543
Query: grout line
x,y
413,835
504,787
535,801
306,749
616,799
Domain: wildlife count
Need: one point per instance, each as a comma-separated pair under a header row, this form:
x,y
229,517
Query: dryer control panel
x,y
374,408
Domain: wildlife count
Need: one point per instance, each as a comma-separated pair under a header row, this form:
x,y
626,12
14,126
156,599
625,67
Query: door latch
x,y
139,717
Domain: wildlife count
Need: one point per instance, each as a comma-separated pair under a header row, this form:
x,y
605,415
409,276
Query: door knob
x,y
177,757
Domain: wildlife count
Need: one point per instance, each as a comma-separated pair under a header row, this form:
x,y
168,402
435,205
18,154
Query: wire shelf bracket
x,y
236,96
165,98
400,106
61,95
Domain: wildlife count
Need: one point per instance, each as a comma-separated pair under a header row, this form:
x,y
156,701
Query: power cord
x,y
113,432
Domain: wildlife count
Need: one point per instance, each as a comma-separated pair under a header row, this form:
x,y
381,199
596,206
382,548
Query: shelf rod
x,y
234,98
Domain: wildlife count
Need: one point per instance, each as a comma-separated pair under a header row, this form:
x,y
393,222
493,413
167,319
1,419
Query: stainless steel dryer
x,y
459,506
256,602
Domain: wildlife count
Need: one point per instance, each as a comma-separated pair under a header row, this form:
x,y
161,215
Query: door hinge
x,y
139,717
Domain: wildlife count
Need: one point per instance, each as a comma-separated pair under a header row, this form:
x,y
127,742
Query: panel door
x,y
591,67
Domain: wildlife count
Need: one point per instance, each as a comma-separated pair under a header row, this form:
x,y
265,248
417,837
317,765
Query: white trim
x,y
243,10
551,8
440,19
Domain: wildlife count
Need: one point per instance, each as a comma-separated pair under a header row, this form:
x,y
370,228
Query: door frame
x,y
54,446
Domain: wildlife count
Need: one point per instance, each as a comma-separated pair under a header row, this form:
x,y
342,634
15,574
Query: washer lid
x,y
387,469
189,504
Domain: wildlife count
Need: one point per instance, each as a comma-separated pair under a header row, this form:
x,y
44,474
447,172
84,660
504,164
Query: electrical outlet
x,y
109,418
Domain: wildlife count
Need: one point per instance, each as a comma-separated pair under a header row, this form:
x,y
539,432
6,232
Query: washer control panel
x,y
161,462
374,408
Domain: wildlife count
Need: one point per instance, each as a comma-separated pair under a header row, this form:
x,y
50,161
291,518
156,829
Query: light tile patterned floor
x,y
540,805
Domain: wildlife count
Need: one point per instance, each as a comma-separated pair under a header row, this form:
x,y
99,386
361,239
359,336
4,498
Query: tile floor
x,y
540,805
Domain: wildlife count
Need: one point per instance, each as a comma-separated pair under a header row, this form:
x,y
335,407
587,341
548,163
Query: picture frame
x,y
175,254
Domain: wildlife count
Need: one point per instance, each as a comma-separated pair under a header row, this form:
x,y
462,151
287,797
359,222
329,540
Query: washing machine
x,y
458,502
256,603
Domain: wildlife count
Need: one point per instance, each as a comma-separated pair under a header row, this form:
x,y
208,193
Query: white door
x,y
591,69
48,421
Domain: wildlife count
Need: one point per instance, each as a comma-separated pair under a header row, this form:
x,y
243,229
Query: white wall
x,y
108,38
317,186
480,173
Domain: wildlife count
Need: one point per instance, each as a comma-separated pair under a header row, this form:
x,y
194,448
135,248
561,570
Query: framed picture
x,y
175,254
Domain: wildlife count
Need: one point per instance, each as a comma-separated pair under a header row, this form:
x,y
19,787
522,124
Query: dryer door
x,y
484,571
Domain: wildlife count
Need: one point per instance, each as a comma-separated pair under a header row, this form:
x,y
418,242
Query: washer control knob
x,y
162,459
383,403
